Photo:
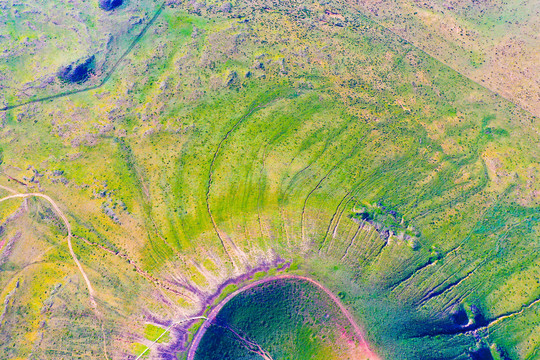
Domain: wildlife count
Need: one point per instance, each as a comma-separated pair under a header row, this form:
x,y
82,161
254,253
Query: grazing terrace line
x,y
361,226
211,173
162,284
339,163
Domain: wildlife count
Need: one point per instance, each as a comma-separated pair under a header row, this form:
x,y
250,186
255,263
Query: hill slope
x,y
234,140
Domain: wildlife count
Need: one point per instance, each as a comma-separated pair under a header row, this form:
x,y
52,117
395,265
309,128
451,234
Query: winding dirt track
x,y
213,313
69,236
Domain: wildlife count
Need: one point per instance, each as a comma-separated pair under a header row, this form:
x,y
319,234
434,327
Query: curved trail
x,y
166,330
69,236
214,312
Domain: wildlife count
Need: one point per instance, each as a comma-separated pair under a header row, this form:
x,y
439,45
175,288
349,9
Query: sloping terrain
x,y
494,43
236,139
281,317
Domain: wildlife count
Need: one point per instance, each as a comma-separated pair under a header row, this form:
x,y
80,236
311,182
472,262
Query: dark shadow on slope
x,y
78,71
109,5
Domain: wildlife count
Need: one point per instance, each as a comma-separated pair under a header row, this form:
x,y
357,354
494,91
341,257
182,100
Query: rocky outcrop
x,y
109,5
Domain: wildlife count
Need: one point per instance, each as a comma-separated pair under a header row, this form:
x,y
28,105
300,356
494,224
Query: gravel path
x,y
69,236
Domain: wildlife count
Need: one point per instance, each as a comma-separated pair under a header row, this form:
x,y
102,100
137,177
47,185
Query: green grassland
x,y
226,142
40,37
156,333
287,319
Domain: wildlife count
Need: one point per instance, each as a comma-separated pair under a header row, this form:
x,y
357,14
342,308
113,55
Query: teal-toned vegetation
x,y
287,319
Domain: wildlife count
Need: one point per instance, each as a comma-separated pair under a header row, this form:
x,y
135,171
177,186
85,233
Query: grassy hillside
x,y
234,139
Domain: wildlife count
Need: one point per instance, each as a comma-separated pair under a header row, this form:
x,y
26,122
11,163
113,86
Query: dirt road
x,y
213,313
69,236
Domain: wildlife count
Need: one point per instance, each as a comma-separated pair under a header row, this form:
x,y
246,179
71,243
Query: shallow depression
x,y
282,317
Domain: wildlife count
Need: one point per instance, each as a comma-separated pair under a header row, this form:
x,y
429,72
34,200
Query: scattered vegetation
x,y
286,318
239,136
